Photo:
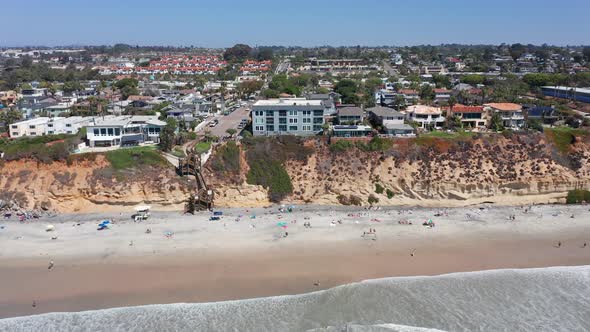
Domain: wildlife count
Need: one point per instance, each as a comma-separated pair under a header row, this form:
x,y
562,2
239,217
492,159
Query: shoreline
x,y
207,262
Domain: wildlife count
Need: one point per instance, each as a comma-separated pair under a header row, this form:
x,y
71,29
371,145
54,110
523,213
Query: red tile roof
x,y
464,109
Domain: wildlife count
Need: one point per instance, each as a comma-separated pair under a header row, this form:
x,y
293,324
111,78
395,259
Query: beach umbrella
x,y
49,228
282,224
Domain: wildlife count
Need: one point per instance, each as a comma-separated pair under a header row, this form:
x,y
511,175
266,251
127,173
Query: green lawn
x,y
202,147
126,158
450,135
178,152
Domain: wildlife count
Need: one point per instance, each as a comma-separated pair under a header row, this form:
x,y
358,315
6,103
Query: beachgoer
x,y
584,245
413,251
558,244
317,283
50,265
34,305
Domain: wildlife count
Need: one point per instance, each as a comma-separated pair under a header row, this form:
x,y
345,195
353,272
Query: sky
x,y
218,23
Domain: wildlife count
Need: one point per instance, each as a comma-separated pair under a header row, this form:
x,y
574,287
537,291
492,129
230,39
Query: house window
x,y
318,120
50,125
306,112
307,120
259,128
110,131
117,131
103,131
318,113
96,131
306,128
293,120
14,127
33,133
292,113
270,113
32,127
284,121
282,113
293,128
259,113
317,128
270,128
259,120
67,132
15,134
67,125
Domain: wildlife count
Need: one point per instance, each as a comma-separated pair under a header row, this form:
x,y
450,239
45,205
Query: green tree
x,y
238,52
231,131
167,135
473,79
496,123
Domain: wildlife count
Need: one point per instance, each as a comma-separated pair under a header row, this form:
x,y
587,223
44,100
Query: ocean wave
x,y
548,299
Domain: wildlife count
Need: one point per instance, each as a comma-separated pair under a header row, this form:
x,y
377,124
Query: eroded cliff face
x,y
520,169
90,186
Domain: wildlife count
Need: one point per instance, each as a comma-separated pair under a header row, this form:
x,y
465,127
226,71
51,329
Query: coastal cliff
x,y
426,171
429,171
89,186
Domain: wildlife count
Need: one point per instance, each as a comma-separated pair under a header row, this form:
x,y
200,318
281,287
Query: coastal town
x,y
382,161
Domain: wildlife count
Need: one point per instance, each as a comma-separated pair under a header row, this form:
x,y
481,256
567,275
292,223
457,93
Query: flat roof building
x,y
287,116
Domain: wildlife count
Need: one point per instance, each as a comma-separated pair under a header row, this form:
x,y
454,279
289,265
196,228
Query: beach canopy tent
x,y
142,208
217,213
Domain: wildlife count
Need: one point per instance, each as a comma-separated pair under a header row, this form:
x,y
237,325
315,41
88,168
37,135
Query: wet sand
x,y
214,262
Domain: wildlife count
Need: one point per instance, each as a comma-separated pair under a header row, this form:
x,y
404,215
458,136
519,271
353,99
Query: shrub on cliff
x,y
271,175
45,149
577,196
379,188
227,159
389,193
372,199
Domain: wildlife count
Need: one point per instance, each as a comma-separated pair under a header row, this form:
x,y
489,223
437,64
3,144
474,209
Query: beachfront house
x,y
427,117
287,116
471,116
512,115
350,115
129,130
32,127
390,120
351,130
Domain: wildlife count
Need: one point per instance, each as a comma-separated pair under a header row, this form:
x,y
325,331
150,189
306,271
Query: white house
x,y
425,116
512,116
32,127
124,130
69,125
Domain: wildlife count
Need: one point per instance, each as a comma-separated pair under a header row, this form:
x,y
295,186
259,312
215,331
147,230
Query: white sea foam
x,y
549,299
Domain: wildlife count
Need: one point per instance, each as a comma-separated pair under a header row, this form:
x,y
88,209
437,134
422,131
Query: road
x,y
226,122
390,70
283,66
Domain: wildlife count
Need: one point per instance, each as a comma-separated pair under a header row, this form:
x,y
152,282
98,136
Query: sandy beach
x,y
246,254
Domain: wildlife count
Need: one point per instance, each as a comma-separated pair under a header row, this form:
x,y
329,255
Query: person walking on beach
x,y
584,245
558,244
50,265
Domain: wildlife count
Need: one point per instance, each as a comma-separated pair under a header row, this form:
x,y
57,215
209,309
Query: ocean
x,y
547,299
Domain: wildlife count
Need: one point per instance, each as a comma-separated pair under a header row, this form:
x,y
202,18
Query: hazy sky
x,y
218,23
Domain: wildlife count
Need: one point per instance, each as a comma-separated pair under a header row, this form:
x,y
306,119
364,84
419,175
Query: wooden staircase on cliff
x,y
191,165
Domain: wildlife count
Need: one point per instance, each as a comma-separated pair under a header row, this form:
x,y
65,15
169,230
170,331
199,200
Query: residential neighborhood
x,y
126,99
